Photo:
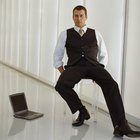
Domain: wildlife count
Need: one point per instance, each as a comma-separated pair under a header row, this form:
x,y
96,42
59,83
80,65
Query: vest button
x,y
82,55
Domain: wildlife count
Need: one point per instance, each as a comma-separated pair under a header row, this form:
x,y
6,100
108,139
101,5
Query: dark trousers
x,y
84,69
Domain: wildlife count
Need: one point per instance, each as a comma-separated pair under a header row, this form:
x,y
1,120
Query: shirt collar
x,y
76,28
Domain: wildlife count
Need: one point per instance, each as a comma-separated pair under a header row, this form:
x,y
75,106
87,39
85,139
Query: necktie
x,y
81,32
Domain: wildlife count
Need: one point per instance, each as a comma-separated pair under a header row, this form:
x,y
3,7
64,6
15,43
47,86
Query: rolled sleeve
x,y
102,51
59,50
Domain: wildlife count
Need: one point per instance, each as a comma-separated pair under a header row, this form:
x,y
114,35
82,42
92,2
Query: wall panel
x,y
3,30
34,37
8,32
15,33
23,34
132,64
48,39
0,26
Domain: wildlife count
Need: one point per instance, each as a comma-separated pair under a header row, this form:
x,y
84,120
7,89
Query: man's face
x,y
79,18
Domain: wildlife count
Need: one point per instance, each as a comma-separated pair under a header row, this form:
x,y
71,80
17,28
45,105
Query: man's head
x,y
79,16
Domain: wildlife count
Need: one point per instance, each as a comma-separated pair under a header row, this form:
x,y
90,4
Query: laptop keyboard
x,y
29,113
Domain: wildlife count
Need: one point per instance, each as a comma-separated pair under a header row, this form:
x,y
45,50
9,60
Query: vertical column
x,y
8,32
34,37
0,26
48,39
14,33
23,34
132,64
3,30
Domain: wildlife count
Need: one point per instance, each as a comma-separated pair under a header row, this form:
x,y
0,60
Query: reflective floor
x,y
57,119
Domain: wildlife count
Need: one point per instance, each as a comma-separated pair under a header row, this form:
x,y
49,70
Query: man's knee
x,y
112,81
59,86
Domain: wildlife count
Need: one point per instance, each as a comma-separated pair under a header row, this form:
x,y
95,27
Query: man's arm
x,y
59,52
102,54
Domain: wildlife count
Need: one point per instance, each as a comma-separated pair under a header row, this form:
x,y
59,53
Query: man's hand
x,y
61,69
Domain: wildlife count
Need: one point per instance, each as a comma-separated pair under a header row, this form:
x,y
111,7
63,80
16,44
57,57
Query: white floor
x,y
54,125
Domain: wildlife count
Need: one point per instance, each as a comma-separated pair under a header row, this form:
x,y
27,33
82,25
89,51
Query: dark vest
x,y
78,47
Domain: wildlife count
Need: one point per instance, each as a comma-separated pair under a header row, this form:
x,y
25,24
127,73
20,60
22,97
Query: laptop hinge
x,y
20,112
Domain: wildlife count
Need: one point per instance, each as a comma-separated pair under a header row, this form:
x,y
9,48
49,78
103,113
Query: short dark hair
x,y
80,7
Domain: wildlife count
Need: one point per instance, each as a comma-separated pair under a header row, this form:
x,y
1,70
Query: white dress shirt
x,y
102,56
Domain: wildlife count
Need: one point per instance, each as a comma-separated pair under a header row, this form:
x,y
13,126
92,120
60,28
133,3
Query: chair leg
x,y
95,103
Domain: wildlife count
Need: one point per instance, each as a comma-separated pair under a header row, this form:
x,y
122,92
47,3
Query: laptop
x,y
20,108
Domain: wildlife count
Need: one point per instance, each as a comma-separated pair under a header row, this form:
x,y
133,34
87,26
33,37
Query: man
x,y
87,57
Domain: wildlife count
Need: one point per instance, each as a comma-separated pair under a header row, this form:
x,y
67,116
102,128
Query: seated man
x,y
87,57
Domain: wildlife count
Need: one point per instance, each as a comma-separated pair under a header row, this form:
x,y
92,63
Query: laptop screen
x,y
18,102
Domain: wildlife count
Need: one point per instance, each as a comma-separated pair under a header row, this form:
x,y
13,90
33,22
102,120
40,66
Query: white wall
x,y
132,63
28,34
48,38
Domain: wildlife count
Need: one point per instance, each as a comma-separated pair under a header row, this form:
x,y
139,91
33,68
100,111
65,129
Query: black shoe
x,y
83,115
124,129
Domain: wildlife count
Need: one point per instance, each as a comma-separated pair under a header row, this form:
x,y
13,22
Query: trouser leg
x,y
65,85
110,91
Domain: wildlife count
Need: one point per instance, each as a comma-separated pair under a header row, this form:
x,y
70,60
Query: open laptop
x,y
20,108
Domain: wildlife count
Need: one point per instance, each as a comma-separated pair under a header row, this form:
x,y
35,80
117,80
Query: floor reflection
x,y
17,126
81,132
